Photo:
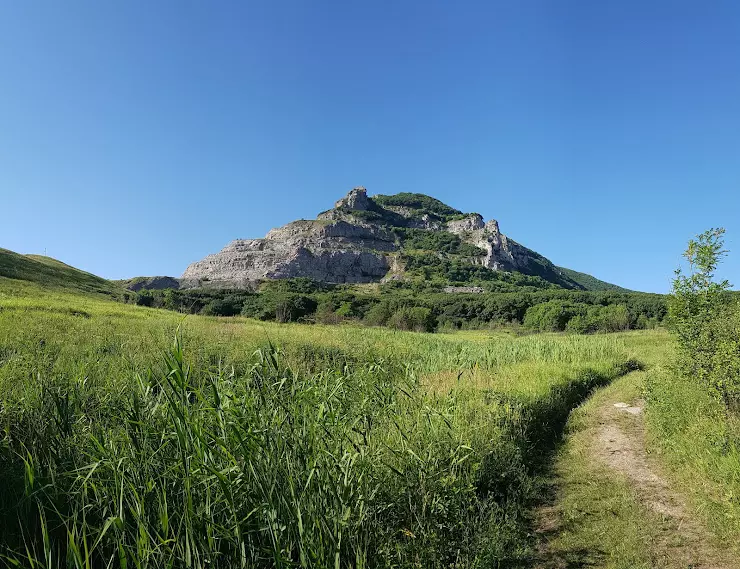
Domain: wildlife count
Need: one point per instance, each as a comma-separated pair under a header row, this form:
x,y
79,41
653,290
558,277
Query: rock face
x,y
152,283
472,222
325,250
357,242
355,200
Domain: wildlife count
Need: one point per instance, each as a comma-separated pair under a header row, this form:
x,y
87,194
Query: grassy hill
x,y
590,283
51,273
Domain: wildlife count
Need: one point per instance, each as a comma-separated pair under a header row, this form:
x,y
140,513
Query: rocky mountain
x,y
149,283
368,239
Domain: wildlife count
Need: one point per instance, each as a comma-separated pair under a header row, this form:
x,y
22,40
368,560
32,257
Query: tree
x,y
700,316
552,316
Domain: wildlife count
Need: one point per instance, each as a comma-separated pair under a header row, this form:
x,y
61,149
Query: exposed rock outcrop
x,y
331,251
463,290
472,222
355,200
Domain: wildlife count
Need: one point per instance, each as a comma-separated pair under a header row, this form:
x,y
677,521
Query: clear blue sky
x,y
139,136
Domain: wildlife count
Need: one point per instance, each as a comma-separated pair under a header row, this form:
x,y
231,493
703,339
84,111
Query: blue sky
x,y
139,136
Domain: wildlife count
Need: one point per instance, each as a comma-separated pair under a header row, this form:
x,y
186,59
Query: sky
x,y
137,137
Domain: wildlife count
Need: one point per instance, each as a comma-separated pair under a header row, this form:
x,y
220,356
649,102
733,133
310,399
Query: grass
x,y
602,523
698,440
54,274
248,444
601,520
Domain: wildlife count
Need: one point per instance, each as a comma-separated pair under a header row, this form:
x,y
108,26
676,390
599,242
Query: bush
x,y
379,314
292,307
325,313
706,321
553,316
579,324
422,203
227,307
144,298
415,318
613,318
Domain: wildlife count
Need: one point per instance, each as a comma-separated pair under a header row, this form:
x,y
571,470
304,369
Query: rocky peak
x,y
492,226
472,222
356,200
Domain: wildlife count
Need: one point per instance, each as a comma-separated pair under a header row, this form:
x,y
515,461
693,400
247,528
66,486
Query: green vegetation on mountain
x,y
420,204
588,282
436,242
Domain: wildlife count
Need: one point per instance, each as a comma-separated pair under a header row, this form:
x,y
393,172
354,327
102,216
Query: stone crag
x,y
355,243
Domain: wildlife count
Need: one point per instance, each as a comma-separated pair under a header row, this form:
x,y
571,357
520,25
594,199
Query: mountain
x,y
363,239
54,274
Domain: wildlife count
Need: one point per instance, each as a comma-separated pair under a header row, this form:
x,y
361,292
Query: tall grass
x,y
335,449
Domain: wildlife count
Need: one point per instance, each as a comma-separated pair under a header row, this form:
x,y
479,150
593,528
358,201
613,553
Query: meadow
x,y
138,437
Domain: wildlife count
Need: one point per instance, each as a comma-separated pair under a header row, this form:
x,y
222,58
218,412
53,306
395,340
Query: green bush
x,y
613,318
326,313
379,314
229,306
292,307
705,320
553,316
422,203
414,318
437,242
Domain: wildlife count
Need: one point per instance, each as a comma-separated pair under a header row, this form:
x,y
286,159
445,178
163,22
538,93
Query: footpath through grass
x,y
650,490
248,444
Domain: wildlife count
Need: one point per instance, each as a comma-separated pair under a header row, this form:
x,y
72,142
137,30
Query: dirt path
x,y
614,437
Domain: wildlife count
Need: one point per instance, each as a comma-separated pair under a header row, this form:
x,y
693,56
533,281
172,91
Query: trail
x,y
614,439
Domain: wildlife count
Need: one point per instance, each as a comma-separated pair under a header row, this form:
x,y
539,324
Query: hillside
x,y
51,273
591,283
403,237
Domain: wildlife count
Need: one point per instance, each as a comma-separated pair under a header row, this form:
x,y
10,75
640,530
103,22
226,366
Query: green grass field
x,y
254,444
140,437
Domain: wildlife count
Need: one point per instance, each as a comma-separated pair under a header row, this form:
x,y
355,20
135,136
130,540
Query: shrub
x,y
292,307
379,314
611,318
144,298
229,306
579,324
422,203
552,316
415,318
705,320
325,313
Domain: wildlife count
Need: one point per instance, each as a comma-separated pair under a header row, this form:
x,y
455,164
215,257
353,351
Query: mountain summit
x,y
384,237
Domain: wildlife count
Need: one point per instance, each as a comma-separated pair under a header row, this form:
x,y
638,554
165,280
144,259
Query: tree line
x,y
411,306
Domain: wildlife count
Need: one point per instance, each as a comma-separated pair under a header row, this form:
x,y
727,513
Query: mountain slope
x,y
53,274
407,236
590,283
